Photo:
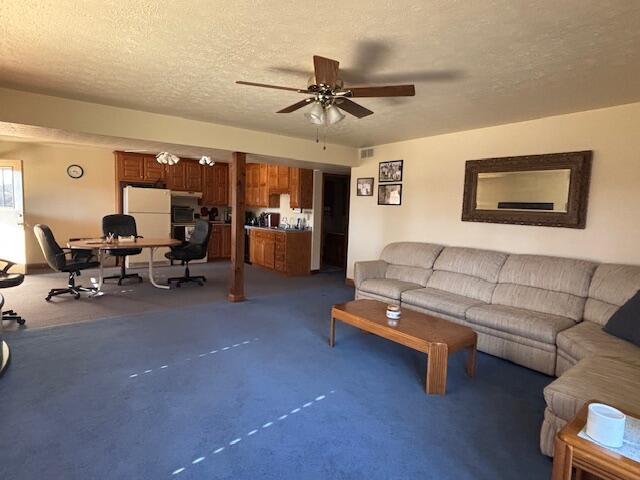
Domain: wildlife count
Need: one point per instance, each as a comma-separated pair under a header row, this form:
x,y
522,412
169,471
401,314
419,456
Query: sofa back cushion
x,y
410,261
558,286
611,287
468,272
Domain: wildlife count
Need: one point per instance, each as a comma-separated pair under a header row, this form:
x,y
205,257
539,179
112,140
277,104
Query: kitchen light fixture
x,y
167,158
206,160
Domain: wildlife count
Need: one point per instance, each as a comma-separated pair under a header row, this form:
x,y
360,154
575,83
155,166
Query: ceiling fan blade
x,y
326,70
352,107
296,106
385,91
277,87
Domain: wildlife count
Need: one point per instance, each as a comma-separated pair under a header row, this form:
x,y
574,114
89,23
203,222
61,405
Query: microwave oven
x,y
181,214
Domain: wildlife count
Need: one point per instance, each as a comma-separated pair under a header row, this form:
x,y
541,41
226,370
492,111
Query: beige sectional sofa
x,y
545,313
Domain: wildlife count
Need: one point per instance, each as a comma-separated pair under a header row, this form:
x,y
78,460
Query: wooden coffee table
x,y
572,452
428,334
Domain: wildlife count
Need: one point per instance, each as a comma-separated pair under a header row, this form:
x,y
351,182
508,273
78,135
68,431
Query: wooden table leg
x,y
471,361
562,461
332,332
437,361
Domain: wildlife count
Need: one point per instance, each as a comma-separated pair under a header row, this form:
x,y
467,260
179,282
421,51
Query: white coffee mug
x,y
605,425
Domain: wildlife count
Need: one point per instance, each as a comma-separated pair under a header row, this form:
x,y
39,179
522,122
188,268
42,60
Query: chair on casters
x,y
8,280
57,259
125,226
194,249
4,346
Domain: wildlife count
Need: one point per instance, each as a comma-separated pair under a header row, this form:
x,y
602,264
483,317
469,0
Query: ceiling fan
x,y
329,95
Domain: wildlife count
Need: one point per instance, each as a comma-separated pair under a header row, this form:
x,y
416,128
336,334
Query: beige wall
x,y
433,186
90,118
72,208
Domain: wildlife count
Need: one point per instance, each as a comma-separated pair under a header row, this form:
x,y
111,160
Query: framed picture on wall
x,y
390,171
365,187
390,194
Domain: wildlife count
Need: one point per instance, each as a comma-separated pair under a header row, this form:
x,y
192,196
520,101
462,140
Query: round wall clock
x,y
75,171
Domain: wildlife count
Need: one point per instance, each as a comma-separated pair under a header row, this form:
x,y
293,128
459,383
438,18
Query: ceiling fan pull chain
x,y
317,135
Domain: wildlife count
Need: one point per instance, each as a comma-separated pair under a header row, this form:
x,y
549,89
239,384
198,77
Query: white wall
x,y
433,186
72,208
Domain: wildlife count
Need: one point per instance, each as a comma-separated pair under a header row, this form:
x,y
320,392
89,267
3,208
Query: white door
x,y
12,241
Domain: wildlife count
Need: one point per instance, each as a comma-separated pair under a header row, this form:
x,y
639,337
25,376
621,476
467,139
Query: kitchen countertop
x,y
277,229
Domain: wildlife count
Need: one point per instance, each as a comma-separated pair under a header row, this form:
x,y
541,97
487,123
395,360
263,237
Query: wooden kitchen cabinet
x,y
176,176
215,184
287,252
257,193
152,171
262,248
185,175
278,178
193,175
219,242
301,188
129,167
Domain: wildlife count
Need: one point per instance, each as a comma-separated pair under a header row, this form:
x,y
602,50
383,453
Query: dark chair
x,y
124,226
194,249
5,353
8,280
57,259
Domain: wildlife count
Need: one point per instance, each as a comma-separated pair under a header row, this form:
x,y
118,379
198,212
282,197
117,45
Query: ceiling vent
x,y
366,153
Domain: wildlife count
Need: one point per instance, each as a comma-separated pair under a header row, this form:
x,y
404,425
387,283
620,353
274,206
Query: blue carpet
x,y
93,401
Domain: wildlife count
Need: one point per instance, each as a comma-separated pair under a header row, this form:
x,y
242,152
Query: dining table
x,y
103,247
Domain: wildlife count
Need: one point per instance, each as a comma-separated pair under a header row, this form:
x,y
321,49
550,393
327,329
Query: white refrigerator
x,y
151,207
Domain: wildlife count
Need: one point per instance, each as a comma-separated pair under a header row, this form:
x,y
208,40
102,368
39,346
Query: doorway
x,y
12,246
335,222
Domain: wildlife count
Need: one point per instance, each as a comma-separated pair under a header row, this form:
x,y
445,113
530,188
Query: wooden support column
x,y
238,169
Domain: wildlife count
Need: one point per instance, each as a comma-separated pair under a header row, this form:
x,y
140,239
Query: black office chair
x,y
124,226
57,259
5,353
194,249
8,280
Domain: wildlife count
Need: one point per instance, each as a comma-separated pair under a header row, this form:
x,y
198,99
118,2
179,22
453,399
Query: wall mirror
x,y
549,190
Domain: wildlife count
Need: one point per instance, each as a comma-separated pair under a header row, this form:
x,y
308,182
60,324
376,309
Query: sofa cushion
x,y
416,275
611,287
411,254
468,272
587,339
625,323
410,261
439,301
552,285
484,264
607,380
387,287
539,326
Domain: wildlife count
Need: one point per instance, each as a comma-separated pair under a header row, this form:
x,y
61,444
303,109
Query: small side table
x,y
574,452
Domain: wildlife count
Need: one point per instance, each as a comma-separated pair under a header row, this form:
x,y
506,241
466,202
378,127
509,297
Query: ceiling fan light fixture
x,y
316,115
333,115
207,161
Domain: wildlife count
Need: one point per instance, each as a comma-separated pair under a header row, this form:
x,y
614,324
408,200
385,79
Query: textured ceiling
x,y
474,63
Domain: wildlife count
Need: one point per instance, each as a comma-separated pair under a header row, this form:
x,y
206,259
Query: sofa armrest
x,y
369,269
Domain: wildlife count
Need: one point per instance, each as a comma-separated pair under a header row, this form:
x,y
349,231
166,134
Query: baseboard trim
x,y
349,282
